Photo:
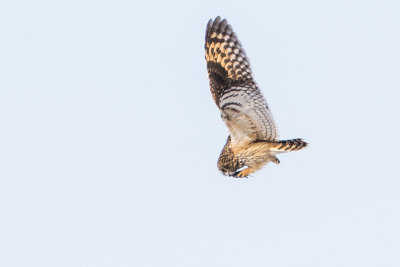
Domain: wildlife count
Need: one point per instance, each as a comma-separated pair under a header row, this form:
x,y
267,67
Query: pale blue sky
x,y
109,137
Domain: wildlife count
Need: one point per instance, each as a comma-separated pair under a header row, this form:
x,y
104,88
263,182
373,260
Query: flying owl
x,y
253,139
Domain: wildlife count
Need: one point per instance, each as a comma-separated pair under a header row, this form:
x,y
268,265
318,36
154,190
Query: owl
x,y
253,139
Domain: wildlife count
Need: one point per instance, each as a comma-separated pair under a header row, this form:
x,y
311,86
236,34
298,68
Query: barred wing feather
x,y
242,105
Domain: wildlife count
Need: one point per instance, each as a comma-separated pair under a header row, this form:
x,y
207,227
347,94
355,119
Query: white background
x,y
109,136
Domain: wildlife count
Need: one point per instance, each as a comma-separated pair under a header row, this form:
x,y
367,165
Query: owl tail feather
x,y
288,145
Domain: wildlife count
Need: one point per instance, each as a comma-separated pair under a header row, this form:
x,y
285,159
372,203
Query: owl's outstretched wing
x,y
242,105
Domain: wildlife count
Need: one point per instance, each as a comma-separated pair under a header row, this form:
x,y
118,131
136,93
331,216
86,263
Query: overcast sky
x,y
109,137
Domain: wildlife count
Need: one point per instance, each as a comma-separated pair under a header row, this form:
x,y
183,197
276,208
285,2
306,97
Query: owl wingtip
x,y
217,21
212,24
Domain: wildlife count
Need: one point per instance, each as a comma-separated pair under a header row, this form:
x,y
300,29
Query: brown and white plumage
x,y
253,136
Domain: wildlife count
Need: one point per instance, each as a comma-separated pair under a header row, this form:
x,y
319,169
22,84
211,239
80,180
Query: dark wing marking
x,y
226,59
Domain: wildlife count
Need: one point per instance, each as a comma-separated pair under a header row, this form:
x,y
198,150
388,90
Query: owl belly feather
x,y
254,155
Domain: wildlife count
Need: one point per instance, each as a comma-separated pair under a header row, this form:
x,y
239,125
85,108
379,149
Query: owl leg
x,y
244,173
275,160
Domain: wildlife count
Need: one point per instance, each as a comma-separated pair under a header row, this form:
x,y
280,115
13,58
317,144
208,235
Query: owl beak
x,y
228,173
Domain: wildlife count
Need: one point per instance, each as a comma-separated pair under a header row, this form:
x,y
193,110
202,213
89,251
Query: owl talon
x,y
276,160
244,173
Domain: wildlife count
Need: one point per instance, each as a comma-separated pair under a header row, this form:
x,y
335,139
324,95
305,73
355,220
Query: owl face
x,y
230,166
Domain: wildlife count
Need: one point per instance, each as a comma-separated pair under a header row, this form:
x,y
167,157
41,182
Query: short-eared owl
x,y
253,139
